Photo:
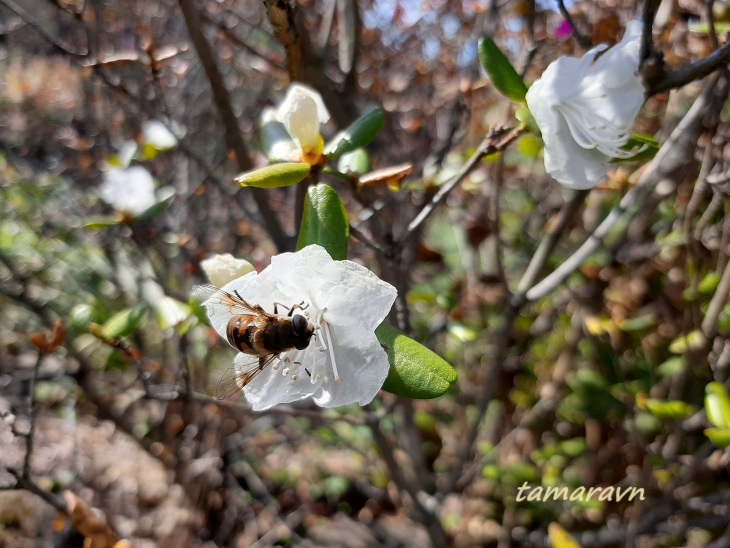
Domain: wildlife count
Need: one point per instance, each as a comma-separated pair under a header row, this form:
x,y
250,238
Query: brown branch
x,y
696,71
496,141
28,18
281,16
222,100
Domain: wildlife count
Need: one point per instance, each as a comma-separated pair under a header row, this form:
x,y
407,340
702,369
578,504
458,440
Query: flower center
x,y
591,131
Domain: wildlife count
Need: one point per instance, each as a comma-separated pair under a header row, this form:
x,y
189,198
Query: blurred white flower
x,y
344,302
225,268
302,112
585,109
171,312
131,190
156,134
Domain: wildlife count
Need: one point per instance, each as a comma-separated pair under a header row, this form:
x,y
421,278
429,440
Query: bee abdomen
x,y
241,335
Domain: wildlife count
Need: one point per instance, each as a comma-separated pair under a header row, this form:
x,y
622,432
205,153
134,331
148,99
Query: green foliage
x,y
501,72
357,135
415,371
325,222
275,175
124,322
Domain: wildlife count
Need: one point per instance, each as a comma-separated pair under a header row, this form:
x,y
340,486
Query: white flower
x,y
156,134
344,302
131,190
171,312
302,112
222,269
585,109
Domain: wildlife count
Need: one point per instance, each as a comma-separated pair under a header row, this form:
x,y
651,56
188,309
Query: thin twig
x,y
696,71
547,245
234,138
28,18
496,141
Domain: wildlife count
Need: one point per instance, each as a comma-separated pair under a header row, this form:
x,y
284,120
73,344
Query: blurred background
x,y
615,378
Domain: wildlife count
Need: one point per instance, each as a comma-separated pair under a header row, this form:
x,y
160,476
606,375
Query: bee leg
x,y
307,370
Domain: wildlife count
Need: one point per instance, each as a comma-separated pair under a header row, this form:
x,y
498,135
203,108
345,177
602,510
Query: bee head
x,y
303,331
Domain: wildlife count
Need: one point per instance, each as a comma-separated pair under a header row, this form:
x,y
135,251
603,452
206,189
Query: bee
x,y
253,332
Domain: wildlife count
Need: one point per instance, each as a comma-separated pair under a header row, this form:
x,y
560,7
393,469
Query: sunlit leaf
x,y
124,323
325,222
717,405
415,371
501,72
358,134
275,175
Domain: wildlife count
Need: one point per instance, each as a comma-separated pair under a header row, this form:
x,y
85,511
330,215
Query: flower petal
x,y
302,112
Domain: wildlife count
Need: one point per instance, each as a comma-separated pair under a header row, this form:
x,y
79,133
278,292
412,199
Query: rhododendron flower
x,y
302,112
131,190
585,109
225,268
343,301
156,134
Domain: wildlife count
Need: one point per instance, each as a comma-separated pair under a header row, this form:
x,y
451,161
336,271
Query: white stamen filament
x,y
326,331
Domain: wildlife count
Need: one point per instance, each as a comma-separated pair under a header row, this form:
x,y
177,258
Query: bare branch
x,y
222,100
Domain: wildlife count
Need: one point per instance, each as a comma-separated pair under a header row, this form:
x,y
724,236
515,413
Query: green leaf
x,y
501,72
685,343
669,410
159,207
100,223
647,148
358,134
276,143
718,436
275,175
124,323
356,162
673,366
524,115
704,28
415,371
325,222
717,405
709,283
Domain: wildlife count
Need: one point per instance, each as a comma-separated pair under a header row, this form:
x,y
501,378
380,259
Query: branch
x,y
547,245
496,141
696,71
281,16
28,18
222,100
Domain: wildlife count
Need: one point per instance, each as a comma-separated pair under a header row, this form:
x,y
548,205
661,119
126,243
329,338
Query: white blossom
x,y
131,190
585,109
302,112
171,312
344,301
225,268
156,134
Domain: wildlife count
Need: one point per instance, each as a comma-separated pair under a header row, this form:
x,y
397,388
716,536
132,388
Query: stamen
x,y
295,376
286,371
332,353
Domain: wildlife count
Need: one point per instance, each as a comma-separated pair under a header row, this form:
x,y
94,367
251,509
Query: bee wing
x,y
246,369
221,305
